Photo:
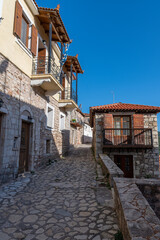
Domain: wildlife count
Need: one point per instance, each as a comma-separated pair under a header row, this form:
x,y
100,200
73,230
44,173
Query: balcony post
x,y
71,81
50,48
61,64
76,87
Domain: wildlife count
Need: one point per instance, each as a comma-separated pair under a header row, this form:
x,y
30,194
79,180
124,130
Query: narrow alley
x,y
62,201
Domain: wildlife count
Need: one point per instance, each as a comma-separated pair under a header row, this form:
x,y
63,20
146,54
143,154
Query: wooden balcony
x,y
127,138
46,74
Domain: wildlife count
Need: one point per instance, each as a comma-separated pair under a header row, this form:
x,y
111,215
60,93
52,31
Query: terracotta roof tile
x,y
86,114
126,107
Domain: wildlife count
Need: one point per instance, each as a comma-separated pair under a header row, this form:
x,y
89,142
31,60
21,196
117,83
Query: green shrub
x,y
118,236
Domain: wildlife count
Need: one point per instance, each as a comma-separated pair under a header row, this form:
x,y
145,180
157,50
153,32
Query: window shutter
x,y
34,40
139,135
108,123
18,19
50,117
108,120
138,120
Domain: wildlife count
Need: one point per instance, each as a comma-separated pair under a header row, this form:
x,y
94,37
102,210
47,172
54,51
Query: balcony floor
x,y
128,146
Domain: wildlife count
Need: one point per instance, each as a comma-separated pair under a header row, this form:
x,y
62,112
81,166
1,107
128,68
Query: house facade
x,y
128,134
37,82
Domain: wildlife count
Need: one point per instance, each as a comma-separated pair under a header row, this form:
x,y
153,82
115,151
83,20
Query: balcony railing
x,y
127,137
45,65
66,94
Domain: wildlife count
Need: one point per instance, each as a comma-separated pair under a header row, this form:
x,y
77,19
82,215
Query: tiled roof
x,y
126,107
86,114
48,9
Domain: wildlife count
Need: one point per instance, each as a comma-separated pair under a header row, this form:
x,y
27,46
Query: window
x,y
25,31
123,124
50,116
48,146
62,121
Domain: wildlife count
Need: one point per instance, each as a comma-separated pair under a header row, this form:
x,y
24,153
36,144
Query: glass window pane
x,y
117,124
24,31
117,119
126,119
126,125
117,132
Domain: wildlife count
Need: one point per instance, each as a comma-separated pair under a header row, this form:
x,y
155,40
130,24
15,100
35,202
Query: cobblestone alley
x,y
62,201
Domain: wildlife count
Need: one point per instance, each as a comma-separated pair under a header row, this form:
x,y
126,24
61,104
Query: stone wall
x,y
137,220
98,134
150,189
145,161
109,168
23,102
76,137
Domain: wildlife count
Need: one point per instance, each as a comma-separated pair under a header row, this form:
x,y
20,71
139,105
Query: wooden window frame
x,y
122,116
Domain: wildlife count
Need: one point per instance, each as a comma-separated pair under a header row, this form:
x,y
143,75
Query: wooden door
x,y
125,163
41,64
122,131
24,148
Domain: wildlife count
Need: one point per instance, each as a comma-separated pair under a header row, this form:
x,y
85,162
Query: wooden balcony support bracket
x,y
56,32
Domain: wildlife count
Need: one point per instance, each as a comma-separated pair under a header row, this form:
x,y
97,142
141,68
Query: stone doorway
x,y
24,147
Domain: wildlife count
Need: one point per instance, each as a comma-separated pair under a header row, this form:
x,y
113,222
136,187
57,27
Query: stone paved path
x,y
63,201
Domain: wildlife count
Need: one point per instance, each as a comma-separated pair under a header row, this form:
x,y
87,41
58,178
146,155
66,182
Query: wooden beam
x,y
57,33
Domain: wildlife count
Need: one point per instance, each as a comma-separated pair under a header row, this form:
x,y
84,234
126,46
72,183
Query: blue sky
x,y
118,42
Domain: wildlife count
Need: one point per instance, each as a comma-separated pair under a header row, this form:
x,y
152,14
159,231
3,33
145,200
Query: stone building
x,y
87,132
37,81
128,134
77,126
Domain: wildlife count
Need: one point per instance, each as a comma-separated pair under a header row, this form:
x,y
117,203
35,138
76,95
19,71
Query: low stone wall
x,y
150,189
110,168
137,220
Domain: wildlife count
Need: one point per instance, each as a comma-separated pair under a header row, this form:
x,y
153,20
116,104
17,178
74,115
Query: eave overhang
x,y
73,60
47,16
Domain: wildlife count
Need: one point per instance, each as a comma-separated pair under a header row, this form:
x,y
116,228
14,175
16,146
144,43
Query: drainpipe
x,y
61,64
71,83
76,87
50,48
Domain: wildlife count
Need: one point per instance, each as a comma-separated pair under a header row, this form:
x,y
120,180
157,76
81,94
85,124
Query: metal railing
x,y
66,94
127,136
45,65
